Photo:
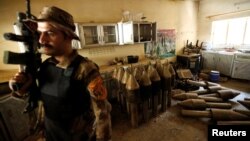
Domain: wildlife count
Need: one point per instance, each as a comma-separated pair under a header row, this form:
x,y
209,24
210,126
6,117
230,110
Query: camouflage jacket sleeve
x,y
98,93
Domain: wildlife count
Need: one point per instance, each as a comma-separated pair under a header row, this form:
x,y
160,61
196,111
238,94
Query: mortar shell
x,y
196,113
120,74
223,114
133,90
201,104
234,122
245,103
114,74
214,88
132,84
227,94
211,99
202,83
125,76
153,74
210,89
219,105
145,92
198,104
247,98
156,87
133,96
245,112
216,114
210,95
184,96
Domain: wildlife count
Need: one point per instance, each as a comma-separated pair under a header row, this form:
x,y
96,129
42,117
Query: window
x,y
219,32
247,34
231,32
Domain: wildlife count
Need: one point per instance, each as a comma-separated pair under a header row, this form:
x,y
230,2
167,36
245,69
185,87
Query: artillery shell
x,y
216,114
245,103
245,112
227,94
223,114
233,122
201,104
184,96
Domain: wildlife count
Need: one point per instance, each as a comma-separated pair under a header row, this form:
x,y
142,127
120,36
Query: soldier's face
x,y
53,41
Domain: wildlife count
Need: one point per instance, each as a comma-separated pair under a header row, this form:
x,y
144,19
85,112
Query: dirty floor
x,y
169,125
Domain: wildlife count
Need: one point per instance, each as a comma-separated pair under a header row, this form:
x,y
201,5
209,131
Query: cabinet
x,y
219,61
241,66
209,60
137,32
98,34
225,62
241,70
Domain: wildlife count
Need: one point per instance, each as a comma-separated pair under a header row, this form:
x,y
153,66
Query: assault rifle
x,y
29,57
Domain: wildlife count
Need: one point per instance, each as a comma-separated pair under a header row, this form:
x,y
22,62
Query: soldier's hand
x,y
20,83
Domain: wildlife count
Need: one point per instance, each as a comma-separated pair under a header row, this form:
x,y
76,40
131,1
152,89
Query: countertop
x,y
5,75
222,52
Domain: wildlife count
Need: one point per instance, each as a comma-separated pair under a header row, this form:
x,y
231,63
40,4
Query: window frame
x,y
227,42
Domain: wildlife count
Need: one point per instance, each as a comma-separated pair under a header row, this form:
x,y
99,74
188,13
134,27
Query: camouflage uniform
x,y
74,112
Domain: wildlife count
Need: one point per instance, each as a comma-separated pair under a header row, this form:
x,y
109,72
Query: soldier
x,y
70,86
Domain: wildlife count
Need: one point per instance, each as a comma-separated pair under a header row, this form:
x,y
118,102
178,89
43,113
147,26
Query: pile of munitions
x,y
144,90
215,102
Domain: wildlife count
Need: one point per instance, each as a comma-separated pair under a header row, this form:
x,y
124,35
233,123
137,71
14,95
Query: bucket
x,y
214,76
